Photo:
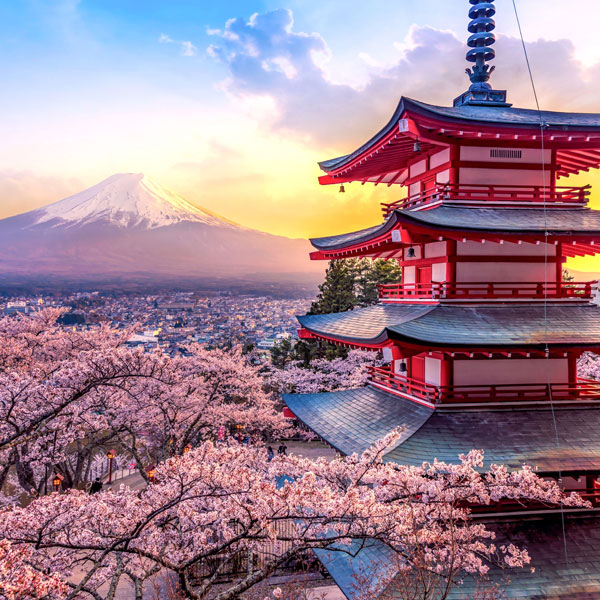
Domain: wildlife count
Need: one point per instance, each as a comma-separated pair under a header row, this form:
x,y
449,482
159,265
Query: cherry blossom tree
x,y
324,375
205,391
219,502
588,365
19,580
66,396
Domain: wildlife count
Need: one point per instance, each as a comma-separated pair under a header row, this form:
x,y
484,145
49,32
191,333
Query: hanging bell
x,y
410,252
342,188
417,146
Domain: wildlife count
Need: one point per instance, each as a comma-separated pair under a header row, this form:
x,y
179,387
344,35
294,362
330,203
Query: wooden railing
x,y
583,389
481,195
486,291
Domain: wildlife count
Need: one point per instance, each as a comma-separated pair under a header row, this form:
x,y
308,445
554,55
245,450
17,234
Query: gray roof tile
x,y
352,420
502,116
500,325
563,221
554,577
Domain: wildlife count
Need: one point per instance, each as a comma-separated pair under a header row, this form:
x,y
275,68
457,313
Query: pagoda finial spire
x,y
480,43
480,52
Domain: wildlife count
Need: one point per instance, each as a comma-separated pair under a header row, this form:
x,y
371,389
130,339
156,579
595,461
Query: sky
x,y
232,103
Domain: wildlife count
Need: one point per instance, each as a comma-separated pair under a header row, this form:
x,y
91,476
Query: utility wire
x,y
546,240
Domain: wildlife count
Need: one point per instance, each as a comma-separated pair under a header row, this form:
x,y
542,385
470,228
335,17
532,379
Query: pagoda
x,y
482,336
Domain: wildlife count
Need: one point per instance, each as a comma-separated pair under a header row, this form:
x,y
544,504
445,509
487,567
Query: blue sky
x,y
232,103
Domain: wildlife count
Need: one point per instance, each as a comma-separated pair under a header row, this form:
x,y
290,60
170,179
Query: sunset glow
x,y
232,104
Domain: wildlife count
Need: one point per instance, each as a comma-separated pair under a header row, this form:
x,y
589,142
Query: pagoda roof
x,y
383,157
459,221
352,420
472,326
509,115
554,578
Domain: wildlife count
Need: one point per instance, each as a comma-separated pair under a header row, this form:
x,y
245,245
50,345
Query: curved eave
x,y
376,341
364,327
579,227
503,221
482,327
577,230
417,345
353,420
332,164
384,157
508,116
357,242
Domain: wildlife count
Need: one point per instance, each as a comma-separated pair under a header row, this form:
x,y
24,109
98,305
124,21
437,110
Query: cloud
x,y
187,48
266,57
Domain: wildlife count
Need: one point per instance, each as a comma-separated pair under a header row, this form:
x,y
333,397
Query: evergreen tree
x,y
349,283
282,354
372,273
336,293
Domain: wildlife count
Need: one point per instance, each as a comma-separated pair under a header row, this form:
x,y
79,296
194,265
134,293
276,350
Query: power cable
x,y
546,236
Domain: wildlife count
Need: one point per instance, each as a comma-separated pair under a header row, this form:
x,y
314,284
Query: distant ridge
x,y
128,228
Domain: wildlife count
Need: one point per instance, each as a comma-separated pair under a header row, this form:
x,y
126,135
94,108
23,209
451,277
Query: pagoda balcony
x,y
584,390
501,291
481,195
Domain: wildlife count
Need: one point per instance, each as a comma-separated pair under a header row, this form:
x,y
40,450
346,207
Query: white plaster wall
x,y
433,371
440,158
414,188
435,249
528,155
408,274
504,271
510,371
473,248
491,176
438,272
443,177
418,168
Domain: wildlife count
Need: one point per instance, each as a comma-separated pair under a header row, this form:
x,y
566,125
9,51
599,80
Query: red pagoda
x,y
483,335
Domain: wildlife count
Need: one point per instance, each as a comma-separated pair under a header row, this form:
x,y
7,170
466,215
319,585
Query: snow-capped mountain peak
x,y
127,200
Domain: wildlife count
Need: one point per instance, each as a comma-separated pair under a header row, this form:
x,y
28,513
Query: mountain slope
x,y
128,200
128,226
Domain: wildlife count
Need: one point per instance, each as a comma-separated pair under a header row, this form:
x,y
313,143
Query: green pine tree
x,y
336,293
282,354
349,283
372,273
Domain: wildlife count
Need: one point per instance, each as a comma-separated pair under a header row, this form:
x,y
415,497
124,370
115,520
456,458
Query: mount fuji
x,y
129,231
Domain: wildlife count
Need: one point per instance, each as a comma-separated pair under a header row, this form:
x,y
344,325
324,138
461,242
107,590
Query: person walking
x,y
282,450
270,454
96,486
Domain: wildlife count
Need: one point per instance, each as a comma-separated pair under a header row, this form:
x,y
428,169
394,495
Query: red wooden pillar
x,y
572,368
559,264
454,175
553,169
451,261
446,375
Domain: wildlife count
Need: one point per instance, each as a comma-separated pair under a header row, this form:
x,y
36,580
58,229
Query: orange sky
x,y
232,104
